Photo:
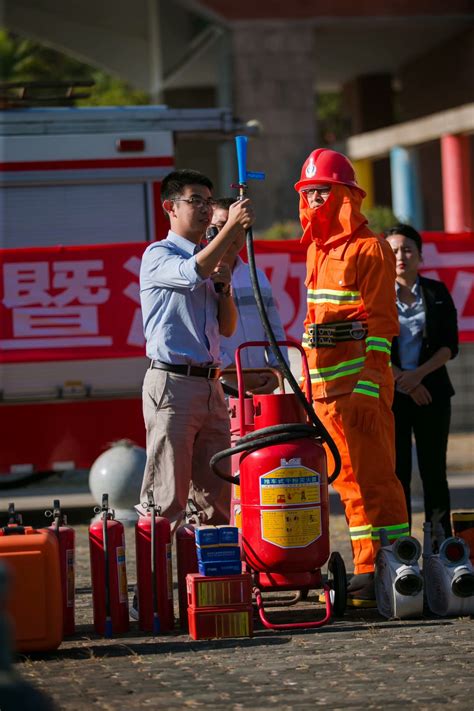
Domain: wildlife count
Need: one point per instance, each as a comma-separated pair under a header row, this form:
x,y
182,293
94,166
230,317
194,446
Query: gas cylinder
x,y
284,498
66,540
108,572
154,570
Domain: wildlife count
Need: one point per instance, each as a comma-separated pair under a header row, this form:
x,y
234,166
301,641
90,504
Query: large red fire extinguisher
x,y
284,497
66,540
154,570
108,571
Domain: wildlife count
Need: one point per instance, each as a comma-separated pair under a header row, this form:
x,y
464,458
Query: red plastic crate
x,y
204,591
220,622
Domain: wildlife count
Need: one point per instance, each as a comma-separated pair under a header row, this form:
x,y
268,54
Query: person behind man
x,y
184,409
249,325
423,391
350,322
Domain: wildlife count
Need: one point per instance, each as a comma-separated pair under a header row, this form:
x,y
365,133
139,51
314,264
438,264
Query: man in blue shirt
x,y
184,315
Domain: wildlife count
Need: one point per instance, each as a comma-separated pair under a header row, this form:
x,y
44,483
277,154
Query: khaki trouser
x,y
186,423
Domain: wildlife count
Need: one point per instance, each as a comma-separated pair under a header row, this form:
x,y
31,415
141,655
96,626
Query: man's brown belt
x,y
194,370
326,335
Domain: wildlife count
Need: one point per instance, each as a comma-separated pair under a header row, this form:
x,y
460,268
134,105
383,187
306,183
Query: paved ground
x,y
359,662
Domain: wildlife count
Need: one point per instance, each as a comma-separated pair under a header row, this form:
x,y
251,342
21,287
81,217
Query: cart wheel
x,y
338,581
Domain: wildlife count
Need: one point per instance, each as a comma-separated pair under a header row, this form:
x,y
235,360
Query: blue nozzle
x,y
156,623
241,145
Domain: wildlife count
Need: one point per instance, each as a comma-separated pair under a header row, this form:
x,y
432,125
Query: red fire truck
x,y
79,198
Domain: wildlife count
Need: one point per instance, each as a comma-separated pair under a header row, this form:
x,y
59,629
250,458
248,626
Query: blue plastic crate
x,y
228,534
207,536
224,567
218,553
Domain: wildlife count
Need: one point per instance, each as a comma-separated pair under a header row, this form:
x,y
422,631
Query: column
x,y
274,71
365,178
406,193
155,44
225,99
455,169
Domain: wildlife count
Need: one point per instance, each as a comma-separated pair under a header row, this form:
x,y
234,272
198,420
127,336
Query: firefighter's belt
x,y
326,335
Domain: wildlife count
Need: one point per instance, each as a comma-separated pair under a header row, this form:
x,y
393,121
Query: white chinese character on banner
x,y
135,335
26,283
279,268
40,315
78,283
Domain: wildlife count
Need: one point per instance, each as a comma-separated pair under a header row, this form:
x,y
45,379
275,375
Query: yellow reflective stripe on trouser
x,y
367,387
357,533
332,296
345,367
373,343
393,532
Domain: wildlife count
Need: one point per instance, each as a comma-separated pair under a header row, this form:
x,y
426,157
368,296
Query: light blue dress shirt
x,y
412,320
179,307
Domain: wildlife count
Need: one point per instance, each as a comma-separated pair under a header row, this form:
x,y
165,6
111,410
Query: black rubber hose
x,y
318,425
304,432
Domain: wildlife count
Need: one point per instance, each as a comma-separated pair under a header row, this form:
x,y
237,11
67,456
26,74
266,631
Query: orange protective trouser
x,y
372,495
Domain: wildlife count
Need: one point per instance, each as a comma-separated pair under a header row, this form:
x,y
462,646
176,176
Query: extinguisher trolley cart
x,y
284,499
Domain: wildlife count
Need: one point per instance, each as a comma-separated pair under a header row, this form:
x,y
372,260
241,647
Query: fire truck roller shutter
x,y
99,213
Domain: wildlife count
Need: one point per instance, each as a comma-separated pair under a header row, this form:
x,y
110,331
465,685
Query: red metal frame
x,y
293,625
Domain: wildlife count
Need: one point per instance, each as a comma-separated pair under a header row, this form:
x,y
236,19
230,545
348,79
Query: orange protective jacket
x,y
350,277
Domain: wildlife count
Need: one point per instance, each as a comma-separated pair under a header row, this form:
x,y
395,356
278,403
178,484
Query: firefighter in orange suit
x,y
350,322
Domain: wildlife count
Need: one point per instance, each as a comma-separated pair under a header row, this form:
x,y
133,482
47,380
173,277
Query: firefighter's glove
x,y
364,403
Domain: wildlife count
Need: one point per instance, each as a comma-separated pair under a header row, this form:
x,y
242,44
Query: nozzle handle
x,y
241,147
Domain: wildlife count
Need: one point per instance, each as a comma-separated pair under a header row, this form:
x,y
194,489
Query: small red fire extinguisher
x,y
154,570
186,559
108,572
66,540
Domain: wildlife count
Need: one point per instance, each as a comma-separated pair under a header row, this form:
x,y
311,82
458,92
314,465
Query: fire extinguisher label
x,y
122,575
169,571
291,528
70,574
290,486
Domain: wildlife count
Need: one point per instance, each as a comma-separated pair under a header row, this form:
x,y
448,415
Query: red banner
x,y
80,303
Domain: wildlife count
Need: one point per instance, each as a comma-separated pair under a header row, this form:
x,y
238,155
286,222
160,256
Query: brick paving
x,y
359,662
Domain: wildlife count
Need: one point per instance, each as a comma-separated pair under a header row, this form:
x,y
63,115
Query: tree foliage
x,y
24,60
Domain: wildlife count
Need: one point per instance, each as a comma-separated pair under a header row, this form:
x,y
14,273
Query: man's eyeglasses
x,y
322,190
198,202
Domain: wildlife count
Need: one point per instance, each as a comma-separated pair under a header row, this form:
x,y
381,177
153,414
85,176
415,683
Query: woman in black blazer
x,y
422,403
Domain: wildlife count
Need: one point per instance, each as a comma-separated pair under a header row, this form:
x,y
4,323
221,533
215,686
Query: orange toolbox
x,y
205,591
34,598
219,622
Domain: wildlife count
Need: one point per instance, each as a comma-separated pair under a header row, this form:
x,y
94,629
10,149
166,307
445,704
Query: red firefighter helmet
x,y
326,166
